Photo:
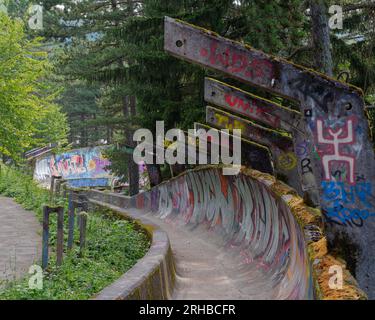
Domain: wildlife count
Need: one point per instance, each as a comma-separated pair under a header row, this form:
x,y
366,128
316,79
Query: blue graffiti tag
x,y
345,215
339,193
344,200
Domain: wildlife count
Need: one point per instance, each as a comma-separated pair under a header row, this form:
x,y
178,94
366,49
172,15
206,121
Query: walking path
x,y
20,240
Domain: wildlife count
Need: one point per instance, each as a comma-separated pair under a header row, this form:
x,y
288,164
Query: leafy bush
x,y
113,246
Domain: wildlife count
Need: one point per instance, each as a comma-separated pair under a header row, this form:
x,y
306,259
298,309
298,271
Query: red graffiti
x,y
237,62
251,109
335,140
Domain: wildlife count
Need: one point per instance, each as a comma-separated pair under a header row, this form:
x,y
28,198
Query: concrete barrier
x,y
258,220
153,277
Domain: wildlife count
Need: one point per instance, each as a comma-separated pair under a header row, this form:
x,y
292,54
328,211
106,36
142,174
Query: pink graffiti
x,y
52,164
250,109
341,136
237,62
74,165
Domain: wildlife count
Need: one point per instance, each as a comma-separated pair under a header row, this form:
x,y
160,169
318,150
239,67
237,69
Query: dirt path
x,y
20,240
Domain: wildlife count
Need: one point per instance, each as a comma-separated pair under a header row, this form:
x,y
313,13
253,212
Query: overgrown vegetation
x,y
113,247
29,116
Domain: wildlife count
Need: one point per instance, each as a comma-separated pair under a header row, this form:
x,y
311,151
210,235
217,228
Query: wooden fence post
x,y
82,232
74,204
52,187
60,236
45,237
71,218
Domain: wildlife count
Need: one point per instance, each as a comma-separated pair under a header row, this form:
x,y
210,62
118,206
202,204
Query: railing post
x,y
75,202
71,219
82,232
45,237
52,187
60,236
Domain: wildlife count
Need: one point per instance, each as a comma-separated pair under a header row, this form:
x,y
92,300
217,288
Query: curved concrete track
x,y
204,271
232,236
20,240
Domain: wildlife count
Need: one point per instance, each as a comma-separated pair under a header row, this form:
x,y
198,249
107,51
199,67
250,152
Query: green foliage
x,y
113,247
27,111
276,27
354,48
117,46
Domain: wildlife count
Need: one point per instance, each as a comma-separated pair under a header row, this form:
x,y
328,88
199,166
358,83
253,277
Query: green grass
x,y
113,247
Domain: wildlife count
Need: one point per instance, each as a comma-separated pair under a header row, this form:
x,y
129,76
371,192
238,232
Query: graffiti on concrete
x,y
251,109
243,211
246,104
280,146
87,167
235,61
336,139
310,89
81,164
82,167
342,199
301,175
287,161
253,154
250,130
334,127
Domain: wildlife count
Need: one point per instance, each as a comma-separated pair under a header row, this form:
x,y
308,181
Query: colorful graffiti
x,y
343,197
258,227
87,167
336,139
236,61
81,168
287,161
250,108
331,132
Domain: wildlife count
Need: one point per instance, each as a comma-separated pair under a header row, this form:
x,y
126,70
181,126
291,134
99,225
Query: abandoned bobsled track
x,y
232,237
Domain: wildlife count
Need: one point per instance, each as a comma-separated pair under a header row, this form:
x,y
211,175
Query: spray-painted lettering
x,y
344,200
237,62
250,108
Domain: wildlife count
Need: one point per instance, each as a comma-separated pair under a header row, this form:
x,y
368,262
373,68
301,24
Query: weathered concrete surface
x,y
253,154
243,237
225,248
280,146
206,271
20,240
336,157
232,237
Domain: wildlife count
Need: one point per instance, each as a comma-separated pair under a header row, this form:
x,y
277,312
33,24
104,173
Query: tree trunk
x,y
133,169
320,37
83,141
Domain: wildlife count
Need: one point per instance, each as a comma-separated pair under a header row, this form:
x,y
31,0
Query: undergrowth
x,y
113,247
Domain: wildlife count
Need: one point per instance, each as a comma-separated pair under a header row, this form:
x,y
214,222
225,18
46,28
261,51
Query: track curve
x,y
232,237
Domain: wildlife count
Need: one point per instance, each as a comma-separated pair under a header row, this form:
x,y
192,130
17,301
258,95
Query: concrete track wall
x,y
253,219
